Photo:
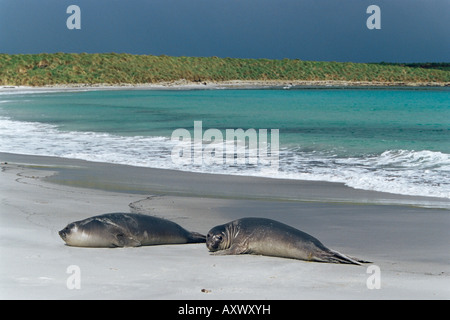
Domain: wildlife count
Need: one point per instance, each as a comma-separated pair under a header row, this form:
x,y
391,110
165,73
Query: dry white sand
x,y
409,245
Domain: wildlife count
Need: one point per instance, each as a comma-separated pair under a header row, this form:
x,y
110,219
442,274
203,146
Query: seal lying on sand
x,y
271,238
126,230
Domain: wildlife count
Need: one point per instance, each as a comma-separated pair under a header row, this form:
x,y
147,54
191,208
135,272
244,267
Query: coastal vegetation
x,y
113,68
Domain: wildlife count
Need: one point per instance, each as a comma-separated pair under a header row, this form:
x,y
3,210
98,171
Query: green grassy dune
x,y
112,68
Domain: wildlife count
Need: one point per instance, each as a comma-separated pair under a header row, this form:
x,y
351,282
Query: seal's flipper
x,y
333,256
360,260
233,250
124,241
195,237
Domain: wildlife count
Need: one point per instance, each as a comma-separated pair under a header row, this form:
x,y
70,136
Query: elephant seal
x,y
271,238
126,230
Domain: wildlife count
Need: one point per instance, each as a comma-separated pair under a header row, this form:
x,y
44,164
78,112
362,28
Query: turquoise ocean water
x,y
395,140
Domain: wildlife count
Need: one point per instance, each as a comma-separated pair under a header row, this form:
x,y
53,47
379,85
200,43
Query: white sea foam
x,y
34,138
408,172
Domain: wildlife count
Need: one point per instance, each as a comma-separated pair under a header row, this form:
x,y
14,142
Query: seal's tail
x,y
333,256
196,237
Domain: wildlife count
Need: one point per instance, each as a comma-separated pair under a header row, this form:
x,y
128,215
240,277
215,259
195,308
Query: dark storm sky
x,y
325,30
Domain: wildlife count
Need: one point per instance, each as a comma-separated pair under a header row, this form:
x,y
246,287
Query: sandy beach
x,y
183,84
40,195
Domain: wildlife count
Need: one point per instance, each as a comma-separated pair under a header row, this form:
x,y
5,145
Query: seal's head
x,y
87,233
217,239
65,233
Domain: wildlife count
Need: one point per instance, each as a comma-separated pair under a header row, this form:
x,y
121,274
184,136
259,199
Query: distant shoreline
x,y
233,84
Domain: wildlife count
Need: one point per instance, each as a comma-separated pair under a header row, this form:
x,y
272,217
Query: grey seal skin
x,y
126,230
271,238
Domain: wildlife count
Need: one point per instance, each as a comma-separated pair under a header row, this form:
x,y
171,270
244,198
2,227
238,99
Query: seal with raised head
x,y
271,238
126,230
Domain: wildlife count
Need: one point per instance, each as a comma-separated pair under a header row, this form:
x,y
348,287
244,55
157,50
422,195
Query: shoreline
x,y
408,244
232,84
143,180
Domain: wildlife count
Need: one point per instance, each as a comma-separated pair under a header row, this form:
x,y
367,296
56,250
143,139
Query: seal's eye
x,y
219,237
66,230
